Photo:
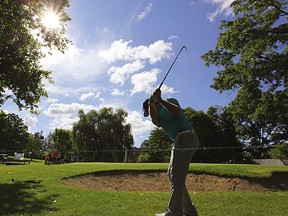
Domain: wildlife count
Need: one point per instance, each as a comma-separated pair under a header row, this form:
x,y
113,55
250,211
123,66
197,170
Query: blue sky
x,y
122,50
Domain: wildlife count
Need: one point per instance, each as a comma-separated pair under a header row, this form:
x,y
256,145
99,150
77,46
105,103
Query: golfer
x,y
169,115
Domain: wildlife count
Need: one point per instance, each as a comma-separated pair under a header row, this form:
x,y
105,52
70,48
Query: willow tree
x,y
102,134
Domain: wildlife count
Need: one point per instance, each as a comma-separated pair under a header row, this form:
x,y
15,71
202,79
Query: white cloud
x,y
144,13
44,103
75,74
120,74
63,122
76,65
64,115
97,95
85,96
60,109
117,92
30,121
121,51
167,90
139,124
223,7
143,82
56,89
52,100
171,37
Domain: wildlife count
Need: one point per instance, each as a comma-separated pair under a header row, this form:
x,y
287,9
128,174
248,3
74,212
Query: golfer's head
x,y
145,108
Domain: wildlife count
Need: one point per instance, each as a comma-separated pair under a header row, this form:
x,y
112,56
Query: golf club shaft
x,y
183,47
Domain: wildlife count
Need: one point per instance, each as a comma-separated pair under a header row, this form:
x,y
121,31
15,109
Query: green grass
x,y
51,198
242,170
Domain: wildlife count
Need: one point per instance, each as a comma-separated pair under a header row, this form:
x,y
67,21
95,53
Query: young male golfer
x,y
169,115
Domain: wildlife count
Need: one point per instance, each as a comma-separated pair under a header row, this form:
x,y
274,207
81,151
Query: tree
x,y
255,133
22,39
224,119
13,133
62,140
252,56
210,136
36,145
105,134
280,152
156,148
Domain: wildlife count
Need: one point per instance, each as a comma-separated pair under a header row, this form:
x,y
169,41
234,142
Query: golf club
x,y
183,47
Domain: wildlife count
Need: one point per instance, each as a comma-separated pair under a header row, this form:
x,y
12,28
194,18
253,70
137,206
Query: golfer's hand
x,y
152,100
157,94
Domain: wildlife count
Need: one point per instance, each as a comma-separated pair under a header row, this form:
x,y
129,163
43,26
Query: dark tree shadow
x,y
20,198
277,181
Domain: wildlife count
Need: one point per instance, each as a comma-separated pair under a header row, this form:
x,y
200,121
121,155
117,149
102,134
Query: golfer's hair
x,y
145,105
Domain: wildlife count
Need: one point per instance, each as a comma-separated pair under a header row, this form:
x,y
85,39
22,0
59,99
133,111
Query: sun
x,y
51,20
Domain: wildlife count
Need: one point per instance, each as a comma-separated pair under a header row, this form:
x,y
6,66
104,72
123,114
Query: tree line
x,y
104,135
221,138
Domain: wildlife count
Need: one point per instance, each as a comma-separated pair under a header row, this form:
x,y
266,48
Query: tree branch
x,y
282,11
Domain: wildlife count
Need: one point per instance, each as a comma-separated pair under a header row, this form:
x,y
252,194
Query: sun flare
x,y
51,20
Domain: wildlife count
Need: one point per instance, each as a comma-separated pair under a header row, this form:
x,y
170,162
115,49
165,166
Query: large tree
x,y
13,134
103,134
23,35
223,118
213,141
62,140
252,56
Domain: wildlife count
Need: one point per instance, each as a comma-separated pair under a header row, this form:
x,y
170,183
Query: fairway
x,y
48,196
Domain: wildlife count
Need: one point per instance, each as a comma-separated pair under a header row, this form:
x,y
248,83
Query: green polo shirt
x,y
171,124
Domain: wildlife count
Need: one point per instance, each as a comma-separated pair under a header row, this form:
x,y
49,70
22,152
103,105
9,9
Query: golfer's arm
x,y
153,115
172,108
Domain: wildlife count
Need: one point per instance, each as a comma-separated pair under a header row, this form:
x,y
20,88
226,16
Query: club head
x,y
184,47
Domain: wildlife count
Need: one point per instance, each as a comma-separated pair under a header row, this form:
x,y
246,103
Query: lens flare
x,y
51,20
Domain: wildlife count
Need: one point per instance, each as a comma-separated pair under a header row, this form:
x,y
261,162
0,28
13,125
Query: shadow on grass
x,y
21,198
17,164
277,181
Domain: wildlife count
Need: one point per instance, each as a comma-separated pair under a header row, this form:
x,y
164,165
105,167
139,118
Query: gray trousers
x,y
180,202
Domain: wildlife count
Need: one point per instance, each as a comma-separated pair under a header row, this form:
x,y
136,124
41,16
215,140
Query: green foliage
x,y
101,132
144,157
211,135
252,56
224,119
22,37
13,133
280,151
35,146
156,148
61,140
216,132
